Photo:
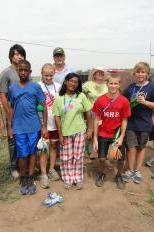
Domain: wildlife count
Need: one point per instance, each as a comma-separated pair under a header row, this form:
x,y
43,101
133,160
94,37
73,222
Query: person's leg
x,y
78,153
142,140
32,159
119,179
43,163
32,140
103,145
140,159
131,144
22,166
131,156
43,167
22,153
13,158
66,161
53,175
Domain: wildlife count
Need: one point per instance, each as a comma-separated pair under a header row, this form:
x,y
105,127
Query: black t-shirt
x,y
141,119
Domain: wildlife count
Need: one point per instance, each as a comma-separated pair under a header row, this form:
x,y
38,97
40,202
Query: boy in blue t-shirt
x,y
141,96
25,125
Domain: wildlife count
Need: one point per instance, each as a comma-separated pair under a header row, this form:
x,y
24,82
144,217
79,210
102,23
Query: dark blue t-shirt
x,y
24,101
141,119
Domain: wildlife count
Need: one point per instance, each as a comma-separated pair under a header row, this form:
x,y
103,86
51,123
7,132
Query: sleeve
x,y
56,108
126,111
86,103
4,83
39,94
10,96
96,108
152,94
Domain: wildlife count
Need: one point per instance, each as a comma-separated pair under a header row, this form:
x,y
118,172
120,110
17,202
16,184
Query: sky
x,y
93,33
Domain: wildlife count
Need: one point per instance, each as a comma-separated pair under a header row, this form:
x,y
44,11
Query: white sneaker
x,y
44,181
15,174
137,178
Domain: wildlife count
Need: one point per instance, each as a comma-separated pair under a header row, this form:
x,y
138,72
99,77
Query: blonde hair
x,y
141,66
113,77
47,66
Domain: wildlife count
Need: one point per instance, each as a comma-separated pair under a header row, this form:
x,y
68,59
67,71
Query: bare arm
x,y
10,116
89,125
123,131
3,98
58,124
45,118
95,140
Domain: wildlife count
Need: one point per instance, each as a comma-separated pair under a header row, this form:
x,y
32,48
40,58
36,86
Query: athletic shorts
x,y
136,139
53,135
26,143
103,146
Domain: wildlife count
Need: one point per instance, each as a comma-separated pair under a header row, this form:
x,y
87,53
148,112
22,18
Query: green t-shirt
x,y
71,109
93,90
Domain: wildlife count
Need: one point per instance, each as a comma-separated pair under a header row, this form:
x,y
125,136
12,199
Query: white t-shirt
x,y
50,91
59,76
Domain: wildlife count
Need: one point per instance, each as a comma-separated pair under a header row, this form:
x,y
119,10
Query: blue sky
x,y
93,32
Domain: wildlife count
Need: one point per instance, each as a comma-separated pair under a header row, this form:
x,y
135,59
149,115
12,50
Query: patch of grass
x,y
8,188
151,200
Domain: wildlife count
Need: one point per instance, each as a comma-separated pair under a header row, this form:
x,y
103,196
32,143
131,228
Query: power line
x,y
73,49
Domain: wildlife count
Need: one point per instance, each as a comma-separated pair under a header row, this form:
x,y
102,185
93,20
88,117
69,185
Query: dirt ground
x,y
92,209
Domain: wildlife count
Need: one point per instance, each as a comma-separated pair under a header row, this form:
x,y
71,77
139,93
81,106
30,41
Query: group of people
x,y
67,114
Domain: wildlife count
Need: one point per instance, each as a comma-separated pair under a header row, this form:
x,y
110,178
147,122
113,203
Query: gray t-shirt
x,y
7,77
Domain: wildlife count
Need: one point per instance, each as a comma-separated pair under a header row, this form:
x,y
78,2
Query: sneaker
x,y
79,186
23,185
99,181
15,174
120,183
53,175
137,178
68,186
150,163
127,176
31,185
44,181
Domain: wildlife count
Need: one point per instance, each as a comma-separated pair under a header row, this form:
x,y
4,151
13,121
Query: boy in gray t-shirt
x,y
7,77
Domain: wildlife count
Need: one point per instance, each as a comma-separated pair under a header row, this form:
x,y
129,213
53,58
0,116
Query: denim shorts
x,y
136,139
103,146
26,143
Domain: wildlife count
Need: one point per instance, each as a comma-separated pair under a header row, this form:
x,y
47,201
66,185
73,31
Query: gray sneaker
x,y
127,176
137,178
44,181
53,175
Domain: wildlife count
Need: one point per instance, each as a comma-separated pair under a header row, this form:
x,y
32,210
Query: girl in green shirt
x,y
69,109
93,88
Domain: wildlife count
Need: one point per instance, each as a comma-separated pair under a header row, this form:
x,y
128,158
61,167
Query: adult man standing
x,y
61,69
7,77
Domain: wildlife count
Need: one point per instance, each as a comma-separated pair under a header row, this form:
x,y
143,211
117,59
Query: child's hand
x,y
141,99
61,140
119,141
95,144
10,133
44,133
88,134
